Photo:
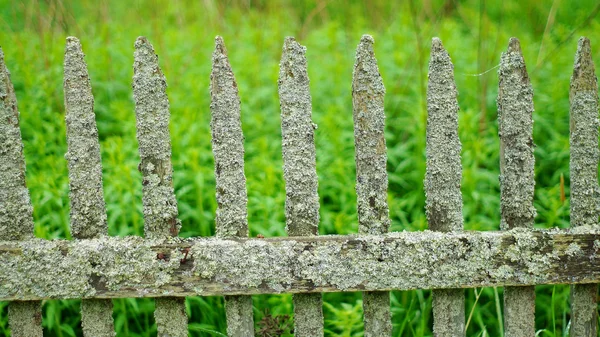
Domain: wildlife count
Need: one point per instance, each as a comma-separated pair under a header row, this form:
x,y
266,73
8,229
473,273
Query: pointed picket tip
x,y
75,68
142,43
146,60
512,59
364,51
293,74
366,75
440,61
220,60
436,45
514,45
584,71
293,51
220,48
73,44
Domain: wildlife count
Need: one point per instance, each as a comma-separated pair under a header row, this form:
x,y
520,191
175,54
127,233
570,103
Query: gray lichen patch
x,y
584,138
96,318
574,250
515,128
80,269
25,319
444,170
88,210
263,261
152,121
16,212
369,140
308,315
239,312
377,316
519,313
170,317
448,307
298,146
228,147
584,310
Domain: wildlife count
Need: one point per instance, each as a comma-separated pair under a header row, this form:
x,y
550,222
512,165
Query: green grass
x,y
474,33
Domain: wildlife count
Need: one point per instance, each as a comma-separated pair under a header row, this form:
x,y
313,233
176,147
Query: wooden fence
x,y
96,267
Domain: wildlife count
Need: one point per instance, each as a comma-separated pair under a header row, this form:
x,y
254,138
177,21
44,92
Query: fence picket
x,y
16,222
371,175
228,149
160,205
515,128
443,179
584,176
88,210
299,171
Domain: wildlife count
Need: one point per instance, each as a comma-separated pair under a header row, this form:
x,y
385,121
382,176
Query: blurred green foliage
x,y
475,32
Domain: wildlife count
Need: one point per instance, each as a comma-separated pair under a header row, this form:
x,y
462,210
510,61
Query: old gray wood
x,y
160,207
232,199
16,220
368,93
113,267
515,128
88,210
443,179
584,176
299,171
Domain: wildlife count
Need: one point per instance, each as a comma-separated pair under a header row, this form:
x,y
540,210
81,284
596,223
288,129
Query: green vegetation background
x,y
475,32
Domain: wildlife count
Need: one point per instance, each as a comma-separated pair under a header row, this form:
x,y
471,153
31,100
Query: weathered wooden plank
x,y
16,212
443,179
584,176
515,128
113,267
228,149
371,175
88,210
299,171
160,207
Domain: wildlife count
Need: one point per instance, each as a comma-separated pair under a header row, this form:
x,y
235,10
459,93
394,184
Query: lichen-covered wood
x,y
16,212
515,127
368,93
113,267
299,171
584,176
160,206
443,179
228,149
152,123
88,210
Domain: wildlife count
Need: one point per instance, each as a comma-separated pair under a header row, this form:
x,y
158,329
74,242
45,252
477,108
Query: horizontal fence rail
x,y
135,267
95,267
